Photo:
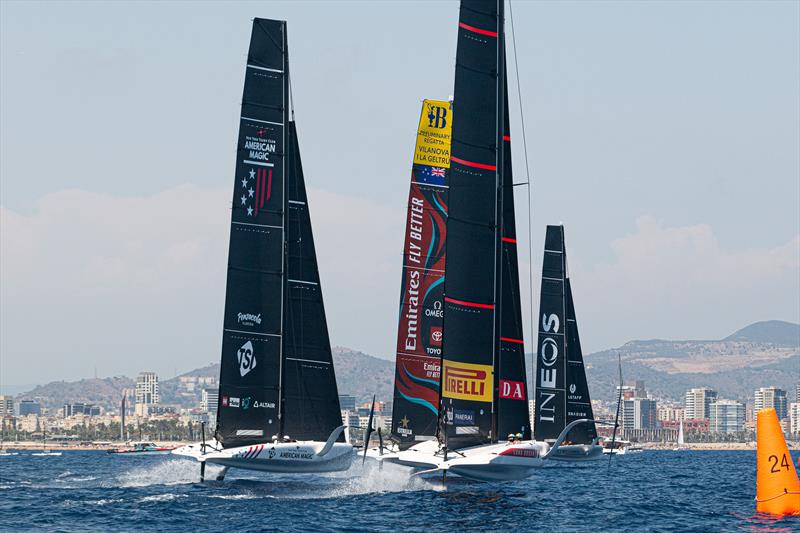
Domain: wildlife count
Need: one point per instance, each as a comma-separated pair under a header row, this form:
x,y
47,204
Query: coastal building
x,y
632,389
698,402
639,414
29,407
29,423
209,400
766,397
669,413
794,419
88,409
350,419
347,402
6,406
726,416
147,396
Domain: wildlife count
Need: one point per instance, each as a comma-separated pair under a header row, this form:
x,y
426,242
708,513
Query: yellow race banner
x,y
433,134
467,381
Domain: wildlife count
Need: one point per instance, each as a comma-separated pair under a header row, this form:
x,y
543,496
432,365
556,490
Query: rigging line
x,y
528,180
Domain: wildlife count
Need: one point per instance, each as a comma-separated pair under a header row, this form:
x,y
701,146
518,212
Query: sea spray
x,y
372,478
169,472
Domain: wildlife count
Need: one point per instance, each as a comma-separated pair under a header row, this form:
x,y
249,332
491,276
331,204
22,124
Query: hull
x,y
577,453
490,462
618,451
279,457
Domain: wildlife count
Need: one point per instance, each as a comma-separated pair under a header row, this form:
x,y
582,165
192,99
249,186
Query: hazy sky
x,y
664,135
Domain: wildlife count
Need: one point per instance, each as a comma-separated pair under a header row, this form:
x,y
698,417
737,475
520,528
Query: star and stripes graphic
x,y
432,175
256,190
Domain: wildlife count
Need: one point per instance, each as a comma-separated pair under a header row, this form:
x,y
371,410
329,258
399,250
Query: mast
x,y
419,331
284,209
499,162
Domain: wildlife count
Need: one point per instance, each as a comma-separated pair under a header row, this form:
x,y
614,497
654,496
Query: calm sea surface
x,y
650,491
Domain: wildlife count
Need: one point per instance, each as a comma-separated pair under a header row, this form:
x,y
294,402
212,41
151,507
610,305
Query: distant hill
x,y
761,354
775,332
105,392
357,373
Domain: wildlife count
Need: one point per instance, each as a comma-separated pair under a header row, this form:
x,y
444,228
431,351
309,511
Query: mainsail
x,y
311,400
562,392
419,334
512,396
275,366
482,352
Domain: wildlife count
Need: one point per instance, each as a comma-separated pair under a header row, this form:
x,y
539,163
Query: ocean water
x,y
649,491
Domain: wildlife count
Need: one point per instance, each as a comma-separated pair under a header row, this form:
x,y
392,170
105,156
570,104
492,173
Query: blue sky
x,y
664,135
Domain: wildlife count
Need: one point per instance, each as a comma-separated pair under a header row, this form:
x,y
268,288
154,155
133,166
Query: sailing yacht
x,y
483,386
681,445
278,405
45,451
562,392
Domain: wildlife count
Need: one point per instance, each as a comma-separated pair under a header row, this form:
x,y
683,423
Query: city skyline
x,y
675,172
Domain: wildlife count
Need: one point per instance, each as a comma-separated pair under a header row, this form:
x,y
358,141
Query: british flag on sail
x,y
431,175
256,189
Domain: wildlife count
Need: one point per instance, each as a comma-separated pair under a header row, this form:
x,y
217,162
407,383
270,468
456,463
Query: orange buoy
x,y
777,485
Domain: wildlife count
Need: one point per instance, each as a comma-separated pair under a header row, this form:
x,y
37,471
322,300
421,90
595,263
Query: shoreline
x,y
63,447
37,446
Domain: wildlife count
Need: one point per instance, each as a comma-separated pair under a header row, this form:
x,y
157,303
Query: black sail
x,y
311,402
551,359
469,347
579,405
251,344
512,397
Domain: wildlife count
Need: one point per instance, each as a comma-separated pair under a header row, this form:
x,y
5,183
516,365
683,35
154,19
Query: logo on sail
x,y
437,116
248,319
512,390
436,335
467,381
247,358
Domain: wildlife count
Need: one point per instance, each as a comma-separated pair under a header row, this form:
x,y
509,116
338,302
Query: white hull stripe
x,y
259,163
552,279
423,268
305,282
265,68
257,225
296,202
262,121
253,333
307,360
431,184
553,251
